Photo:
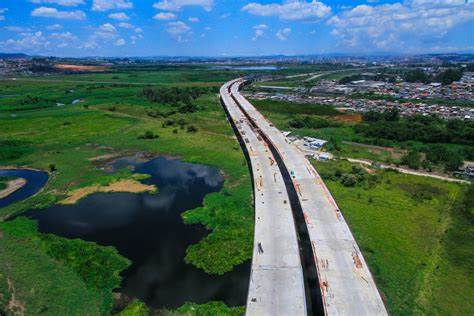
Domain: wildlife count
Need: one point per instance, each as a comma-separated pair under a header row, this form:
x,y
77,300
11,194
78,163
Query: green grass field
x,y
110,119
416,235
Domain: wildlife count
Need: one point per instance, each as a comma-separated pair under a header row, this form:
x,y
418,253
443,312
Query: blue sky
x,y
234,27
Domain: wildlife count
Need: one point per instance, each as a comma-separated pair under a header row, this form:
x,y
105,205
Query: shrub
x,y
148,135
192,129
309,122
412,159
348,180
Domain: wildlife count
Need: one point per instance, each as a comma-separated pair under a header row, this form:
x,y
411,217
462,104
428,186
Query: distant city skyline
x,y
234,27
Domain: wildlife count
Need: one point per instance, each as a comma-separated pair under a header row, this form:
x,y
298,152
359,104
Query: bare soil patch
x,y
12,186
131,186
81,68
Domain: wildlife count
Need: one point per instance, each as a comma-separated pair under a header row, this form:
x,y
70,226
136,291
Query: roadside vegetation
x,y
416,235
418,142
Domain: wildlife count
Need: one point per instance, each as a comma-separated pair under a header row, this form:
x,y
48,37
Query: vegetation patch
x,y
136,308
415,237
210,309
290,108
13,149
46,274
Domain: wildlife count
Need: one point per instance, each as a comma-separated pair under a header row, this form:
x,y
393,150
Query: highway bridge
x,y
276,282
344,284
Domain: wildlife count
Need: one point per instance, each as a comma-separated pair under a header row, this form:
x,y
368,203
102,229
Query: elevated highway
x,y
346,286
276,282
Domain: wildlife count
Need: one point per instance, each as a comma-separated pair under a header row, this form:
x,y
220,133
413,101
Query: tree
x,y
192,129
348,180
453,162
391,115
449,76
412,159
417,75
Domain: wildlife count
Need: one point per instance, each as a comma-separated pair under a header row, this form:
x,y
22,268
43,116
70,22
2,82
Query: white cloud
x,y
38,42
179,30
290,10
138,30
107,28
225,15
33,42
400,26
283,34
119,42
120,16
106,5
135,38
66,3
17,29
66,36
106,33
193,19
2,11
63,39
54,27
54,13
177,5
259,31
165,16
126,25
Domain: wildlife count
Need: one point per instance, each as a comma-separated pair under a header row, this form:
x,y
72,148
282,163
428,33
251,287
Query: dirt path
x,y
409,171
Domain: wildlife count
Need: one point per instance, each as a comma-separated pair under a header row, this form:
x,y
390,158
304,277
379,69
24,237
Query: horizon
x,y
225,29
303,56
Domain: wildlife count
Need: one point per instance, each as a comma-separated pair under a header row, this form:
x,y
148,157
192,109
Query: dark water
x,y
149,230
35,181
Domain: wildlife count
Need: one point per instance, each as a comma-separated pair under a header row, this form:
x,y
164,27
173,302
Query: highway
x,y
276,282
346,286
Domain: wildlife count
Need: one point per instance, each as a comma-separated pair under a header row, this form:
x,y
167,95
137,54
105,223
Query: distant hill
x,y
13,56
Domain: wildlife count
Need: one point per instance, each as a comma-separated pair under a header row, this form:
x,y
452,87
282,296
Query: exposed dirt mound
x,y
131,186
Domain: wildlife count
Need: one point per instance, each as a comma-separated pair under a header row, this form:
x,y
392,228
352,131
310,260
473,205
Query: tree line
x,y
445,77
432,131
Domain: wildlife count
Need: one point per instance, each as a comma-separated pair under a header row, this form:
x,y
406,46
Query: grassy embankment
x,y
416,234
111,118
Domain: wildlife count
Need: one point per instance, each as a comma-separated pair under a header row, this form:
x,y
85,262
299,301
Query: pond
x,y
35,181
148,230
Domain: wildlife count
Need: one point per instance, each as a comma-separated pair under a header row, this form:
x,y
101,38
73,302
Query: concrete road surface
x,y
346,284
276,282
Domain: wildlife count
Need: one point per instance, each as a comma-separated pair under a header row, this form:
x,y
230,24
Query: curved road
x,y
346,284
276,281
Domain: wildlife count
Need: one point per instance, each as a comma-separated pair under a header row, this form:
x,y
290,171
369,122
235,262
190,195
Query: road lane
x,y
277,281
346,284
